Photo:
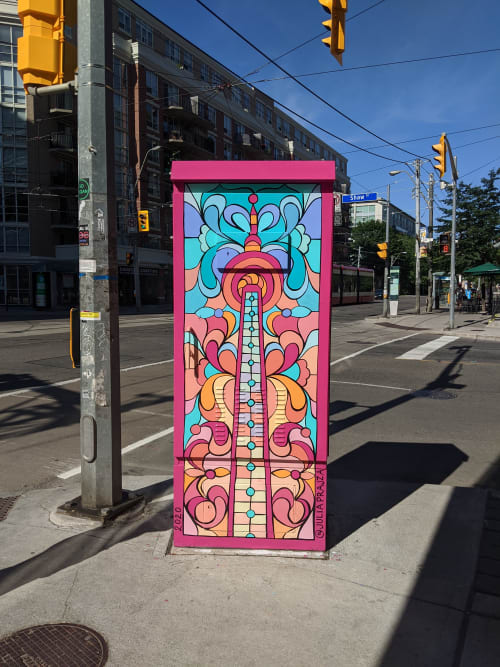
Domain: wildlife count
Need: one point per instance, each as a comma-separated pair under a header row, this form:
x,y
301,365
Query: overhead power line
x,y
302,85
339,70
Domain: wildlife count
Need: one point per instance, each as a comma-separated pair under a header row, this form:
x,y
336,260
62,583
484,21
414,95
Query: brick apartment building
x,y
168,93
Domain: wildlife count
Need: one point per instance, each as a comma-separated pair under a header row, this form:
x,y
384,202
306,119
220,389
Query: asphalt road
x,y
431,420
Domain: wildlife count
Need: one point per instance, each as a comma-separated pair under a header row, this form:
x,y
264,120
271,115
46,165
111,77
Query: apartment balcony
x,y
63,142
252,146
192,144
189,112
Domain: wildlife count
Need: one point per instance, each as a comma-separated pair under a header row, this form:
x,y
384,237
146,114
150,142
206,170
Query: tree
x,y
477,223
401,249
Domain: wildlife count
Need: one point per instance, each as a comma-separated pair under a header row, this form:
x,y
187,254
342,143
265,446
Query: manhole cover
x,y
436,394
6,505
57,645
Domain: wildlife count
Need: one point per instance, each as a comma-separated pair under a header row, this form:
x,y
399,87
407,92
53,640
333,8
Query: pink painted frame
x,y
320,172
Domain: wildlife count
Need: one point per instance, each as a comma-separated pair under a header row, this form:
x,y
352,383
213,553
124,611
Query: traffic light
x,y
336,24
143,217
129,258
440,158
444,243
47,49
382,250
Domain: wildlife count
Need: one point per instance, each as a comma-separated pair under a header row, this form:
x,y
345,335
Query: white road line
x,y
422,351
64,382
125,450
378,386
371,347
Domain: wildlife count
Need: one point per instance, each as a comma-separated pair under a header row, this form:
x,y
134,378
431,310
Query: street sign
x,y
354,199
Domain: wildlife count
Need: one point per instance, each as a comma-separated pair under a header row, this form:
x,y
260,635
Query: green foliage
x,y
401,249
477,223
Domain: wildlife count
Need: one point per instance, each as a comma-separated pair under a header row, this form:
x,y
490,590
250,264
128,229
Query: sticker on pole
x,y
88,265
89,316
83,188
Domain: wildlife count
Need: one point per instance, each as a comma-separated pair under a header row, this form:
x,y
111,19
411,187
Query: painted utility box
x,y
252,274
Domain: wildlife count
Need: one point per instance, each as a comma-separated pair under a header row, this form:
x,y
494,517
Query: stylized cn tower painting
x,y
252,274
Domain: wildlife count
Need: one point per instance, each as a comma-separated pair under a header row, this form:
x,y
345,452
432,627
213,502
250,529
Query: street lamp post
x,y
137,277
385,304
416,178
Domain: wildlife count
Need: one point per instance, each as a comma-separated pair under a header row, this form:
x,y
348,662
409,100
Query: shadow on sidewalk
x,y
75,549
403,466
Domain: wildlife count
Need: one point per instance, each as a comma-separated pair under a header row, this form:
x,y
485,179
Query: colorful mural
x,y
252,267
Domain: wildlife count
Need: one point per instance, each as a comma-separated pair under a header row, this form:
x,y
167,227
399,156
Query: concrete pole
x,y
417,236
453,244
359,255
100,433
431,235
385,303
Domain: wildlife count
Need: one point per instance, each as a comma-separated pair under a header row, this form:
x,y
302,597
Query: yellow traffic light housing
x,y
47,50
440,158
382,250
336,25
143,218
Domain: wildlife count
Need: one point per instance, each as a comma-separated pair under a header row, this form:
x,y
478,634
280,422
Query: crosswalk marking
x,y
422,351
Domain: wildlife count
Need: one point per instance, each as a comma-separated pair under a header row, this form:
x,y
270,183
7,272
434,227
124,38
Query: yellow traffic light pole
x,y
441,149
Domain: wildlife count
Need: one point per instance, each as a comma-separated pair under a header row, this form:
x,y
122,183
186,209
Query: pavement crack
x,y
66,602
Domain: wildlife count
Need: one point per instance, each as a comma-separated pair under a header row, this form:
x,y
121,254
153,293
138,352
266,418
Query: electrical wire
x,y
302,85
387,64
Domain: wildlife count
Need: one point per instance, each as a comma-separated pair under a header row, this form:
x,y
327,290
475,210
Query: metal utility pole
x,y
431,235
453,161
100,432
417,236
385,305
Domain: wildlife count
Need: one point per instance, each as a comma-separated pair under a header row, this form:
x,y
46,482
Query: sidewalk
x,y
469,325
396,590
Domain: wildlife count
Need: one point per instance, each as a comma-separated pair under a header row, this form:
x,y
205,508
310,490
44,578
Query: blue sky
x,y
398,102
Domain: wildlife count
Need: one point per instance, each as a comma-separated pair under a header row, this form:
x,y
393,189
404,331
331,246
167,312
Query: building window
x,y
268,115
279,154
154,156
236,94
259,109
11,85
187,61
144,33
287,132
216,78
121,146
204,72
172,51
151,117
239,131
227,125
227,151
15,285
124,20
266,144
172,95
245,101
151,83
120,79
120,111
153,184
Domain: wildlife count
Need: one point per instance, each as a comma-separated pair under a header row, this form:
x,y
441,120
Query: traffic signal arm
x,y
336,25
440,158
